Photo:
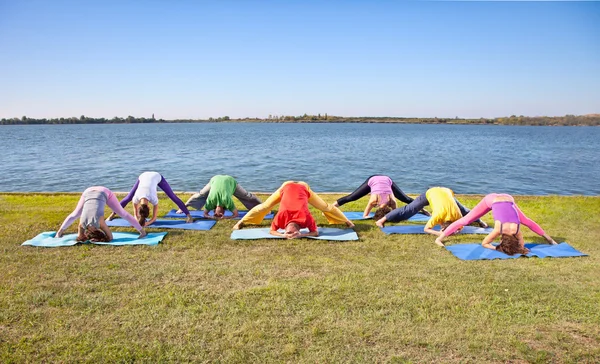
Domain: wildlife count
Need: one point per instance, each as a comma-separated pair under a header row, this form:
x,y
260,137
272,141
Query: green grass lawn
x,y
199,296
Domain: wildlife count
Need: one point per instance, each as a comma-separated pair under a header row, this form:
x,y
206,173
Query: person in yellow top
x,y
445,210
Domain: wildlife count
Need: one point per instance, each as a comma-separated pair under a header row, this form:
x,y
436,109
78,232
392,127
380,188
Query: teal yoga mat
x,y
47,240
358,215
324,234
418,229
478,252
169,224
197,214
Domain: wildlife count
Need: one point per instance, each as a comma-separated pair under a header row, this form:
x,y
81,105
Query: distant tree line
x,y
567,120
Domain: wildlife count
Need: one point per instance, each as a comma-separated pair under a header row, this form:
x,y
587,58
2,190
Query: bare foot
x,y
238,226
380,223
143,234
350,224
59,234
189,219
336,204
111,217
482,224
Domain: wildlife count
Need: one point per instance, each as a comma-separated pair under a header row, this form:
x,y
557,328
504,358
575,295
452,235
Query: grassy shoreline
x,y
199,296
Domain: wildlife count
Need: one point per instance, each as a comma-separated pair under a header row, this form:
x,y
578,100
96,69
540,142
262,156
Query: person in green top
x,y
217,195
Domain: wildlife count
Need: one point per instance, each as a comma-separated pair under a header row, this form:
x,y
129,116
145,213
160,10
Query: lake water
x,y
330,157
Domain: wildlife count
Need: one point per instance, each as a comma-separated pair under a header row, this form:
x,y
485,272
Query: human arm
x,y
234,213
80,234
154,213
370,205
489,239
429,230
135,210
106,230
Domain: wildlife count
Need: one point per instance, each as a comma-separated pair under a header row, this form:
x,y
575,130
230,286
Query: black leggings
x,y
365,189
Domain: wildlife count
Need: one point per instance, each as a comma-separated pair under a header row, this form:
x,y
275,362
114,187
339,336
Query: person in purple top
x,y
382,190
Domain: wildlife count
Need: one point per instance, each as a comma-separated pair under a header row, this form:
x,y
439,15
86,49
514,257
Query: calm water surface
x,y
330,157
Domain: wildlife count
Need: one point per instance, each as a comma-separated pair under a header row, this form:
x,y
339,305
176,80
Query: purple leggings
x,y
164,185
111,201
485,206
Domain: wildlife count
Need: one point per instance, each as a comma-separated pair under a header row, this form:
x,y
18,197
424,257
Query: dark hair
x,y
509,244
95,234
381,212
445,225
143,213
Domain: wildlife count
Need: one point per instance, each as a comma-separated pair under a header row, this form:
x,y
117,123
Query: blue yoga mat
x,y
169,224
324,234
418,229
478,252
197,214
47,239
358,215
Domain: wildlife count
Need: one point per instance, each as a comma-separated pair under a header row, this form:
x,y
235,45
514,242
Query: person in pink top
x,y
507,221
382,190
90,211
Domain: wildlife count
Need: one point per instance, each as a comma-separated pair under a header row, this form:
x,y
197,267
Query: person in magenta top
x,y
293,213
382,190
507,221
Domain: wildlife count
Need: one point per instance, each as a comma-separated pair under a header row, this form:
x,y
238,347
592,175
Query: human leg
x,y
164,185
405,212
198,200
332,213
257,214
246,198
464,211
113,203
400,195
478,211
130,195
73,215
360,192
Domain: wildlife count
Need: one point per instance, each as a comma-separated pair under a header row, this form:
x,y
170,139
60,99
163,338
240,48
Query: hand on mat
x,y
179,211
439,241
292,235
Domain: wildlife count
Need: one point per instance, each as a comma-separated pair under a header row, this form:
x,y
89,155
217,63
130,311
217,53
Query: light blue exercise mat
x,y
324,234
358,215
478,252
169,224
418,229
198,214
47,240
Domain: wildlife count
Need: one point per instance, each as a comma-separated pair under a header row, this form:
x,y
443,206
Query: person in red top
x,y
293,213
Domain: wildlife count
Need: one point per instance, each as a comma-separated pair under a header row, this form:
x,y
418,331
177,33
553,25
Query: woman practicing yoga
x,y
144,192
90,209
217,195
293,214
445,206
507,220
381,189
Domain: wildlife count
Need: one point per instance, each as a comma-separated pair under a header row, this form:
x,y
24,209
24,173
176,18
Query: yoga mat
x,y
47,240
324,234
197,214
358,215
418,229
478,252
169,224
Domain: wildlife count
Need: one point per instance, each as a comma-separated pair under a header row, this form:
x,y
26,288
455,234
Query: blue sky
x,y
195,59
